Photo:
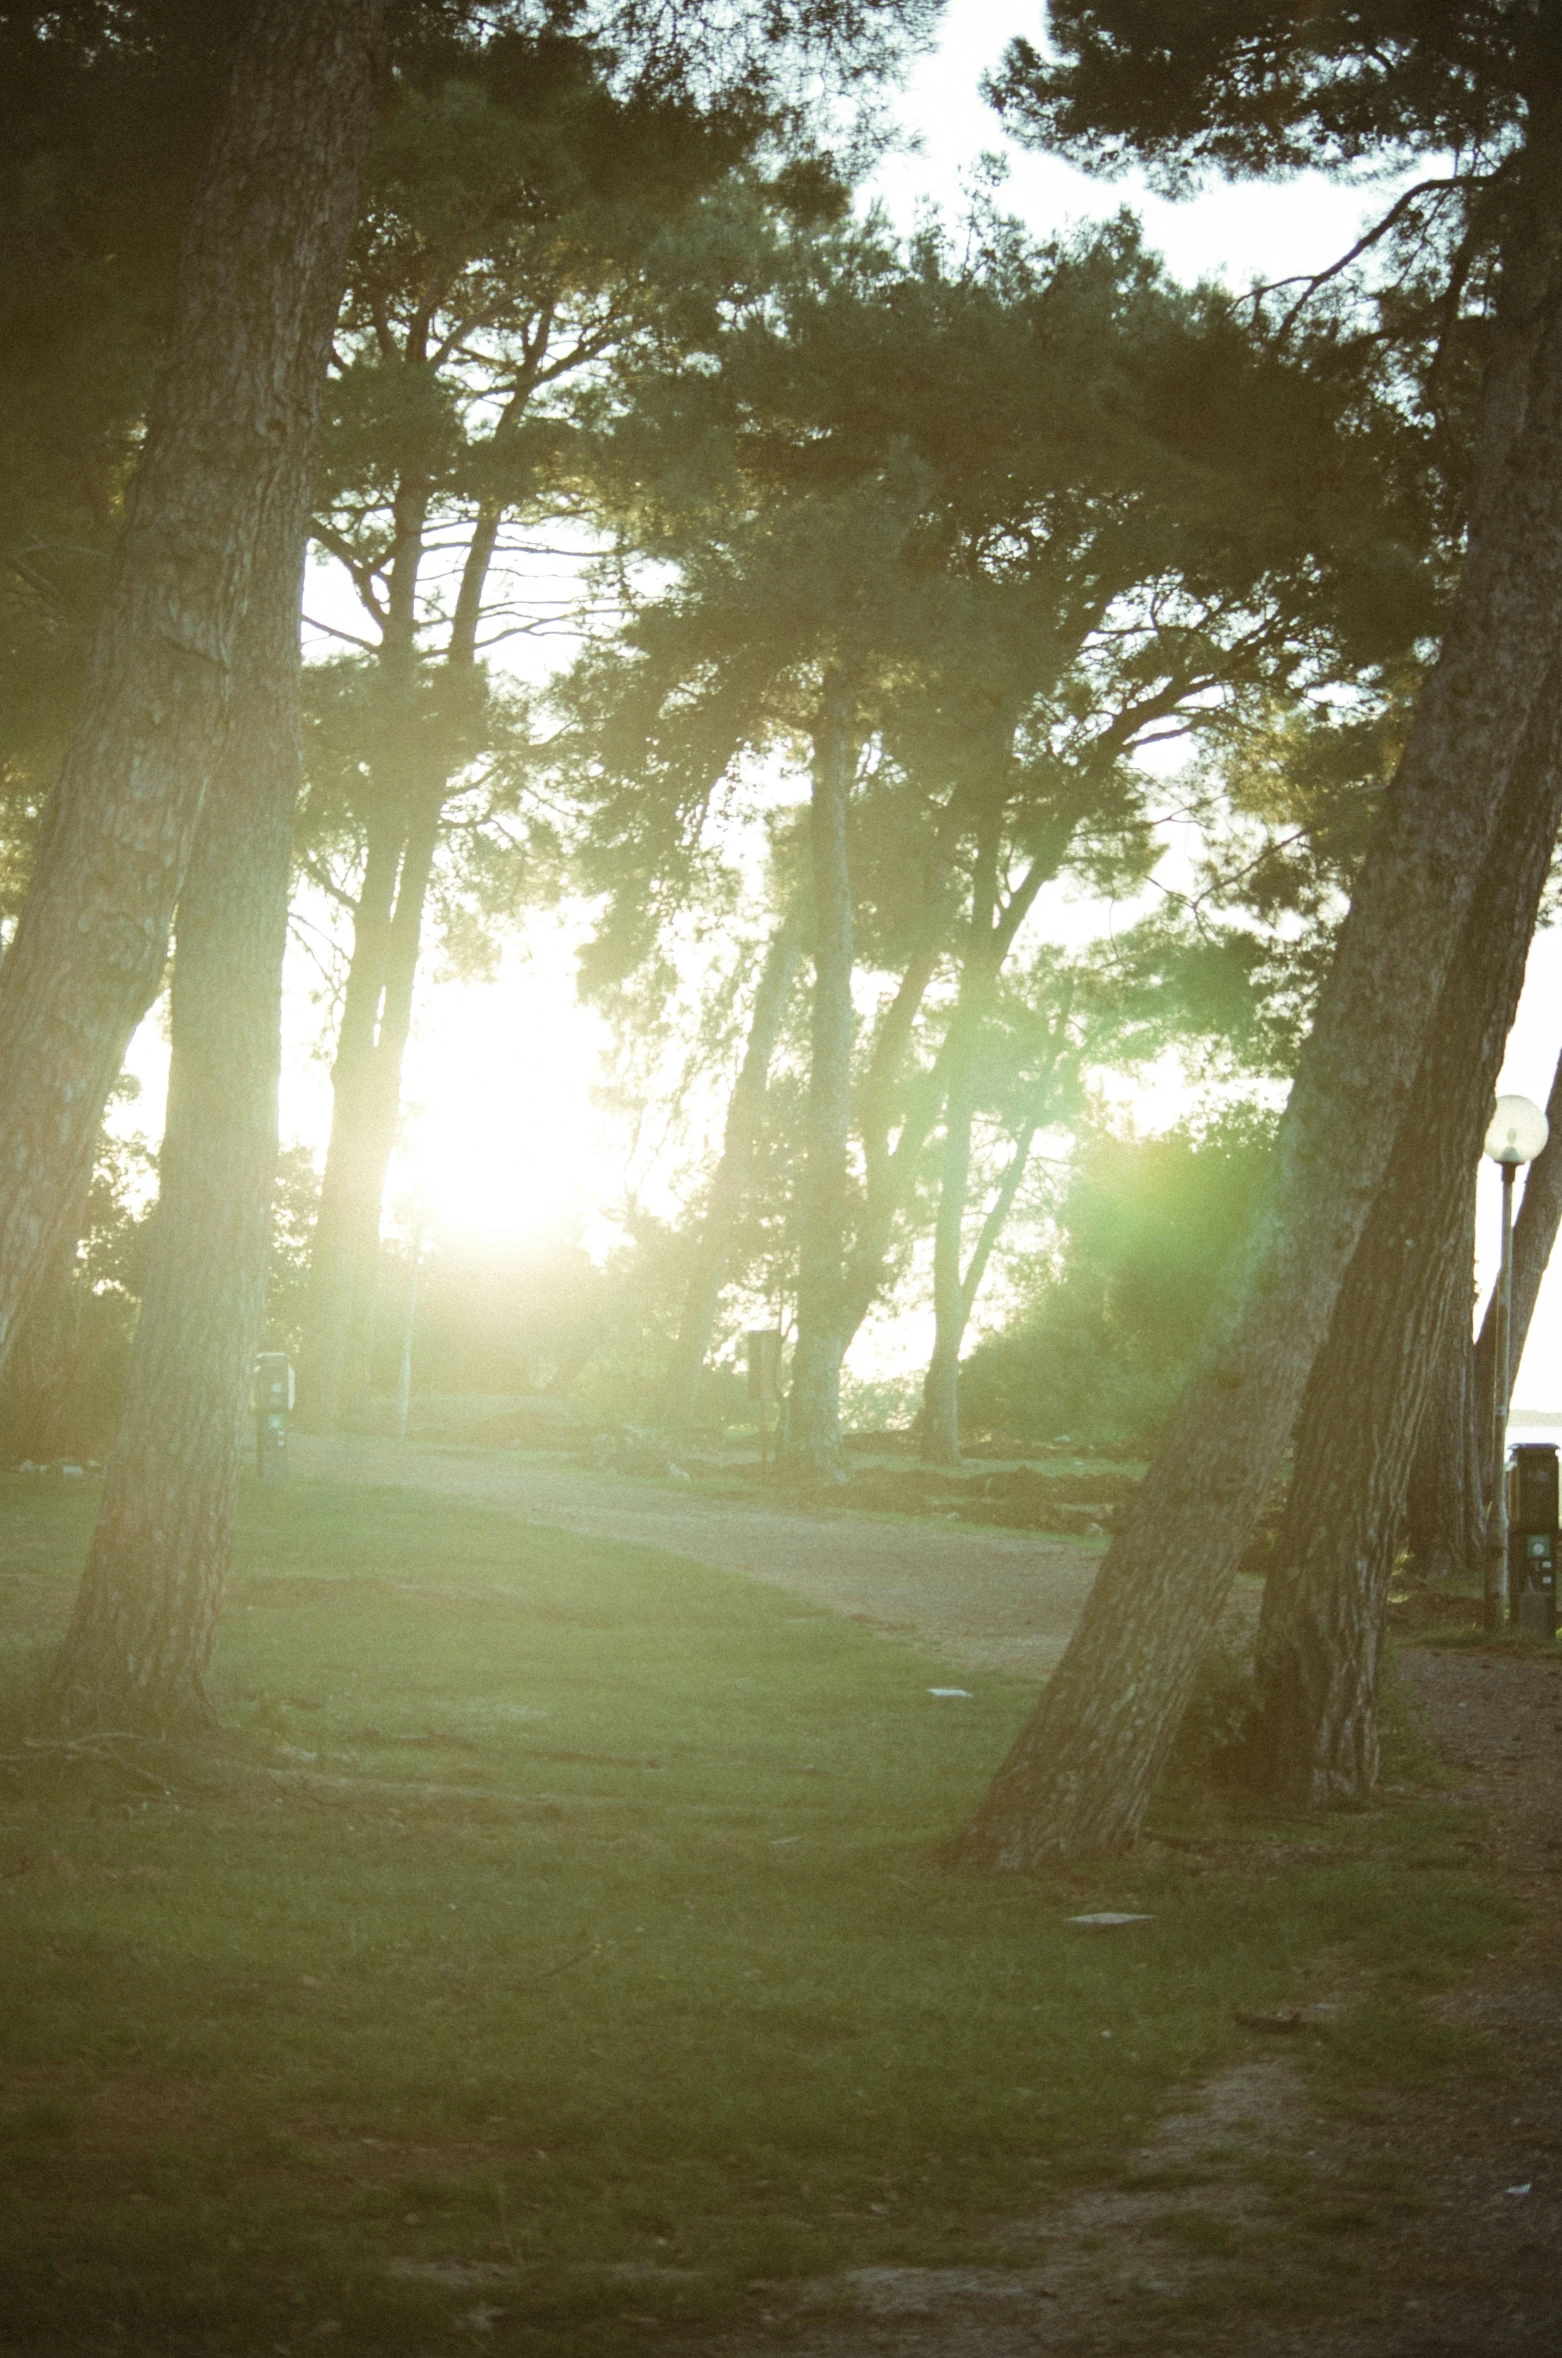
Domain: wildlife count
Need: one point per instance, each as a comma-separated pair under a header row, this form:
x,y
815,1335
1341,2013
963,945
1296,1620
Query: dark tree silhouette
x,y
1253,92
264,258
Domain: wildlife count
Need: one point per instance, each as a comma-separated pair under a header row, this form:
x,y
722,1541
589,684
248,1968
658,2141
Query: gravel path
x,y
987,1600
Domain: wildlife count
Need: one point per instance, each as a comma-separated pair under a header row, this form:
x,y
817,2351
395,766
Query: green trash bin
x,y
1532,1537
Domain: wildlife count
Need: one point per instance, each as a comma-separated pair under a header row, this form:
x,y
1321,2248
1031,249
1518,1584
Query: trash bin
x,y
1533,1488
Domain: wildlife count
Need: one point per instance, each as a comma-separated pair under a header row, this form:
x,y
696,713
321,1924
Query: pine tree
x,y
259,281
1049,571
1246,89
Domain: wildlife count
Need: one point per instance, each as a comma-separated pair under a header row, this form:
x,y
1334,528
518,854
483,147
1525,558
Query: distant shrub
x,y
1148,1229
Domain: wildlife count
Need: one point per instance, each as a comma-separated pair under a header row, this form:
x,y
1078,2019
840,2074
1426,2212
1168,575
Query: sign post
x,y
764,1369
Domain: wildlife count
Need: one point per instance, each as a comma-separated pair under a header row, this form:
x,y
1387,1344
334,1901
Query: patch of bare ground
x,y
1268,2214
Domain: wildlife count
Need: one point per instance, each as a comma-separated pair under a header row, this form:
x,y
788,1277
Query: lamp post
x,y
1516,1135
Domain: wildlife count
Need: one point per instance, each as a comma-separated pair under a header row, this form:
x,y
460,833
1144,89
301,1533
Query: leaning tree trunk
x,y
261,272
1321,1631
941,1383
141,1638
1444,1509
734,1172
35,1392
1534,1235
1451,1473
954,1304
813,1442
940,1442
1082,1772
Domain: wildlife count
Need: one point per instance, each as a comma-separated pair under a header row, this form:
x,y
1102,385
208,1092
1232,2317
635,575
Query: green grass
x,y
1459,1636
558,1932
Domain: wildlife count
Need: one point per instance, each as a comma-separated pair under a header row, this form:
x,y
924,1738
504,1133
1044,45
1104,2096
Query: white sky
x,y
501,1133
1257,231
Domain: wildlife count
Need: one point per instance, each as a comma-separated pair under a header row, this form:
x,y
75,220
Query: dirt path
x,y
988,1601
1255,2221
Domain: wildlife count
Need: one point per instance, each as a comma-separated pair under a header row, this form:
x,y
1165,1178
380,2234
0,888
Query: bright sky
x,y
501,1135
1256,231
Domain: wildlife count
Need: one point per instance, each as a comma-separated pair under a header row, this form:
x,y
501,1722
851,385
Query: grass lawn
x,y
555,1945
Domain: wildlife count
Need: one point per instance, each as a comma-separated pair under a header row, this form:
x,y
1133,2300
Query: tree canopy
x,y
1188,86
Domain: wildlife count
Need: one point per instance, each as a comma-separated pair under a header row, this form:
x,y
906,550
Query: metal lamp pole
x,y
1496,1608
1517,1134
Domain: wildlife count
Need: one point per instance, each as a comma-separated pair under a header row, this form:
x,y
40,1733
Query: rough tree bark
x,y
36,1389
1320,1634
734,1172
145,1622
1444,1509
1082,1772
274,209
813,1442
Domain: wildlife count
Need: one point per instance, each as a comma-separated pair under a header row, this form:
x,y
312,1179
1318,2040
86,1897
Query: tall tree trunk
x,y
366,1075
940,1419
955,1289
1451,1473
141,1638
813,1441
366,1107
735,1171
36,1389
1082,1772
941,1383
379,1104
260,279
890,1173
1444,1507
1534,1235
333,1249
882,1109
1321,1631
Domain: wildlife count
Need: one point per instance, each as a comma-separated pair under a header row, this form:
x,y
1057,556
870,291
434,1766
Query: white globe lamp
x,y
1518,1132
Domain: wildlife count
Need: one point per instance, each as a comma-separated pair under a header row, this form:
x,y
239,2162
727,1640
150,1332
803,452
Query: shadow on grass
x,y
553,1943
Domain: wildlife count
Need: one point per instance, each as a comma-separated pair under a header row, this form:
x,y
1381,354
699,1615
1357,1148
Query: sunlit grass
x,y
558,1932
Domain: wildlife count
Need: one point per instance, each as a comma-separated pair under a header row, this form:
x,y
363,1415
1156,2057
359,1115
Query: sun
x,y
500,1137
